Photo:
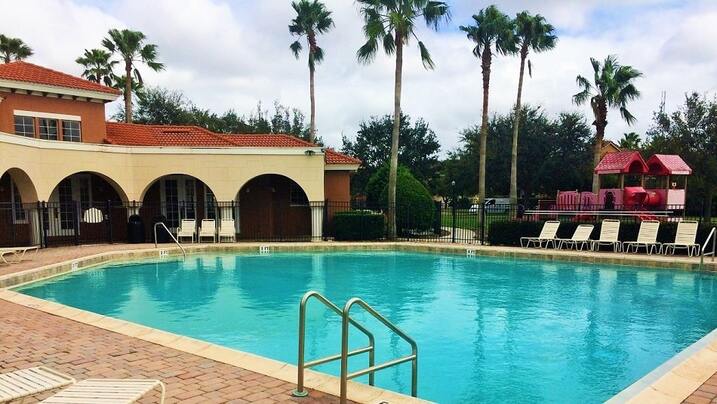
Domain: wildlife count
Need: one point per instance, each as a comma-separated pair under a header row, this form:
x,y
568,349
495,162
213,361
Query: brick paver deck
x,y
707,393
31,338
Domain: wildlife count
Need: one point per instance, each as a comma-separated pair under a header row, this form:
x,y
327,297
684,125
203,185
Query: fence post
x,y
42,209
453,215
482,223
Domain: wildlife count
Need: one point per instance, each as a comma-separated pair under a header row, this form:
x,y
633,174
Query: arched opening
x,y
85,207
273,207
176,197
18,219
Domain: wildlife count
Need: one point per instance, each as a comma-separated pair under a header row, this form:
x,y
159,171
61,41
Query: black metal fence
x,y
75,223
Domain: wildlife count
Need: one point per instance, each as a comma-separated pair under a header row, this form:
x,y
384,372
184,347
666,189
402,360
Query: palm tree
x,y
492,30
630,141
612,88
532,32
98,66
13,49
130,46
312,18
390,24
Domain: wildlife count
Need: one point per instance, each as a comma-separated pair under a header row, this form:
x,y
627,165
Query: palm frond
x,y
426,56
627,116
296,48
367,52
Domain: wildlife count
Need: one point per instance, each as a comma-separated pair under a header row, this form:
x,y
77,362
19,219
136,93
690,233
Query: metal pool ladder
x,y
703,252
345,353
184,253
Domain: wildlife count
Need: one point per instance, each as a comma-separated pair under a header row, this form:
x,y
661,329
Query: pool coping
x,y
669,382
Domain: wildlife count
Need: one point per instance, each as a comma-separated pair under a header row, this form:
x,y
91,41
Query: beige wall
x,y
133,169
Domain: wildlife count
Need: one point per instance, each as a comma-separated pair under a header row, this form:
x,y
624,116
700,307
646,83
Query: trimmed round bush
x,y
415,209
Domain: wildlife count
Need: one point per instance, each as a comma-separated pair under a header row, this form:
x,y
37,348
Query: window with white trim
x,y
25,126
48,129
71,131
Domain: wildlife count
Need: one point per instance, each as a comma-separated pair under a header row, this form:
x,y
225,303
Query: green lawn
x,y
466,220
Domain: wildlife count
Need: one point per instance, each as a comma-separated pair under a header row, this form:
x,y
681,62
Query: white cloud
x,y
231,54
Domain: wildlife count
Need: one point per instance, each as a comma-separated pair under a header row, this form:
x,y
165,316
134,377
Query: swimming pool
x,y
488,330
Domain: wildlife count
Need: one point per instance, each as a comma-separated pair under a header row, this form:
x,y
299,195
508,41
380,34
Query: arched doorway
x,y
85,207
273,207
19,224
176,197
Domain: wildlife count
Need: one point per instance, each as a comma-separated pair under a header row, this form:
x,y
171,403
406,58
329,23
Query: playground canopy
x,y
631,162
625,162
668,164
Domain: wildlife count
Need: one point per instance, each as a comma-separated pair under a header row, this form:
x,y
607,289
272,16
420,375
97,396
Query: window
x,y
48,129
71,131
67,208
171,200
18,212
297,197
210,203
25,126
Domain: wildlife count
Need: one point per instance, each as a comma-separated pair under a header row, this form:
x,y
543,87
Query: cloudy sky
x,y
232,53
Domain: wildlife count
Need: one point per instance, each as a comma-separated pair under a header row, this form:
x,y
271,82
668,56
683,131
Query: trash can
x,y
135,230
162,235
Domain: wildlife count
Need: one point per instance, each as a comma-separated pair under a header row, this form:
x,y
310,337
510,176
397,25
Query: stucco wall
x,y
133,170
92,113
337,186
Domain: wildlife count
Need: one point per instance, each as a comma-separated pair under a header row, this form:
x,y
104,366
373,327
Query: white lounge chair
x,y
28,382
227,230
547,235
188,228
646,237
686,238
580,239
208,230
609,233
98,391
17,254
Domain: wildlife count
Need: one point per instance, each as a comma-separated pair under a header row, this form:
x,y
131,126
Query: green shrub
x,y
358,225
415,208
508,233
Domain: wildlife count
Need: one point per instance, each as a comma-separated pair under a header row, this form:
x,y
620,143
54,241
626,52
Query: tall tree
x,y
418,150
493,31
13,49
630,141
130,46
391,24
312,18
532,33
612,87
98,66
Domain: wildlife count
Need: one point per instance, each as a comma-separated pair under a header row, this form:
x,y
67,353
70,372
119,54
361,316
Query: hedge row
x,y
359,225
508,233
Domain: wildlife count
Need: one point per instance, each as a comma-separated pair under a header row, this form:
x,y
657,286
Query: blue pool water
x,y
488,330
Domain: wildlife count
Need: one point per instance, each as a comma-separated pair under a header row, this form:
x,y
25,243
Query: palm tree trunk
x,y
128,92
312,129
485,66
516,130
600,124
393,167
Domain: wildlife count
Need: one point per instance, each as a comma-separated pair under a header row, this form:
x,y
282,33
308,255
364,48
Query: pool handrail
x,y
346,376
302,365
184,253
711,237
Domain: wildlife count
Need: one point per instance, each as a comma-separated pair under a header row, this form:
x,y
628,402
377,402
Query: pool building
x,y
66,172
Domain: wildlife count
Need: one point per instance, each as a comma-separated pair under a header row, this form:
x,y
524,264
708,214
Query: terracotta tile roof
x,y
127,134
334,157
622,162
30,73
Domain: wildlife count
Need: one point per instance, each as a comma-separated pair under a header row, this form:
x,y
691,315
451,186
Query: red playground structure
x,y
629,183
